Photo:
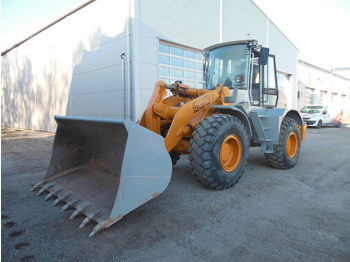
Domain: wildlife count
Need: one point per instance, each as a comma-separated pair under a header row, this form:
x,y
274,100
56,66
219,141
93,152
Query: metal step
x,y
263,139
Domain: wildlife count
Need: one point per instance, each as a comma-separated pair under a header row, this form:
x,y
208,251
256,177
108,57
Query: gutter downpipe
x,y
135,81
127,66
131,50
125,89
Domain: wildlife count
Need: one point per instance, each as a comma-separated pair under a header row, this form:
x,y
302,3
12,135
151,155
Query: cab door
x,y
269,80
263,82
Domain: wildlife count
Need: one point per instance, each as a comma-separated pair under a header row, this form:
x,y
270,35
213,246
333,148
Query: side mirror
x,y
263,56
324,112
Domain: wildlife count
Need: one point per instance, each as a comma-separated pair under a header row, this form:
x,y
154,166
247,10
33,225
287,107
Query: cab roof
x,y
230,43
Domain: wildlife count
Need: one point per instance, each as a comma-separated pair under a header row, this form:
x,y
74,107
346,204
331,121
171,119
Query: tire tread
x,y
279,159
201,151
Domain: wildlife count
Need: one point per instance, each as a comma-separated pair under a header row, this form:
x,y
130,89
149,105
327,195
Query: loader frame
x,y
104,169
181,112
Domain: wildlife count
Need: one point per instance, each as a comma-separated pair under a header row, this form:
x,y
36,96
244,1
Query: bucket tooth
x,y
49,195
64,196
37,185
65,207
96,229
56,191
83,205
80,208
85,221
92,214
73,202
48,185
75,213
40,191
100,219
56,202
61,198
70,204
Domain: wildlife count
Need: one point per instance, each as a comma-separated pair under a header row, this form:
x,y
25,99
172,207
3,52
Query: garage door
x,y
181,63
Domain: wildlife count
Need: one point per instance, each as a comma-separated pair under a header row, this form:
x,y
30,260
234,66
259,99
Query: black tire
x,y
339,124
175,156
319,124
286,154
219,151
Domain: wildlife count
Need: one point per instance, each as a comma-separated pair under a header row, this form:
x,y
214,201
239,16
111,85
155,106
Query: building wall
x,y
320,86
287,64
196,25
201,25
74,67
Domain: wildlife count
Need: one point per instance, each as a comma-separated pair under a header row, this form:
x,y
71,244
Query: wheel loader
x,y
103,169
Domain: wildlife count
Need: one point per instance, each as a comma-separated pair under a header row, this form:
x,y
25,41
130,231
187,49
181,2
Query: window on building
x,y
343,98
334,97
309,96
178,63
323,97
281,80
284,85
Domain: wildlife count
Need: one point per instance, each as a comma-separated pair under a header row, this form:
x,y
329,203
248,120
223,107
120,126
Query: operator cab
x,y
246,68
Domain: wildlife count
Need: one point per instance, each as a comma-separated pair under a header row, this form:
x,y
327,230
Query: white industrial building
x,y
321,86
103,59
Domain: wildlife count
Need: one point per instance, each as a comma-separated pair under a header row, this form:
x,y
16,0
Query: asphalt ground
x,y
301,214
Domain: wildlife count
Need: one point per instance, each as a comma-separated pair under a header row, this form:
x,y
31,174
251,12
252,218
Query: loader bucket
x,y
105,168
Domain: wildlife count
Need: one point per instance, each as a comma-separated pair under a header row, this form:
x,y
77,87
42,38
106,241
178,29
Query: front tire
x,y
286,154
175,156
319,124
219,151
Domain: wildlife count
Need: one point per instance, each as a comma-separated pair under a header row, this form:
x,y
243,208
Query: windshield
x,y
311,109
227,66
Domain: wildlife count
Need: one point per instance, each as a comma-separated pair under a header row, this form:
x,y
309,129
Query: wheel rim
x,y
292,145
230,153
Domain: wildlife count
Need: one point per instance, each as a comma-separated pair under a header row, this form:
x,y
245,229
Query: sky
x,y
318,28
21,18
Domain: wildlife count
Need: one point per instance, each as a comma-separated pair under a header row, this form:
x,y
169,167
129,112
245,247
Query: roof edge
x,y
320,68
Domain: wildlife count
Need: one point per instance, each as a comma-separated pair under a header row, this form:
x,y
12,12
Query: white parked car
x,y
320,115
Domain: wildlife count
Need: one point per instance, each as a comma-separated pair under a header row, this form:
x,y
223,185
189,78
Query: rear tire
x,y
219,151
286,154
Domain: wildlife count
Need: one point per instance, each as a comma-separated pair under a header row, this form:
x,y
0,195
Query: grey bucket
x,y
105,168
